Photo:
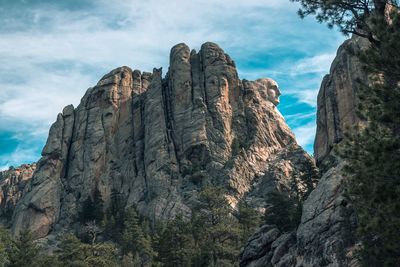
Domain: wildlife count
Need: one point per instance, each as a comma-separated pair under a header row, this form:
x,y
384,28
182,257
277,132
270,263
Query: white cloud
x,y
305,134
316,64
22,154
133,33
307,96
56,54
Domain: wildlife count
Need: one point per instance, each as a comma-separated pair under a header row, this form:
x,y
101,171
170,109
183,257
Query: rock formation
x,y
158,141
325,236
12,184
337,102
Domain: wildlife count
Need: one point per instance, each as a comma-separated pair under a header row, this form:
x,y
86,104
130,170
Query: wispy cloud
x,y
25,152
52,51
307,96
316,64
305,135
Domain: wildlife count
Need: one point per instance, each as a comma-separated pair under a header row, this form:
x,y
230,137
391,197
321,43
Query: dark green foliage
x,y
350,16
98,206
216,230
372,151
374,187
309,179
114,219
212,236
176,245
48,260
74,253
24,252
6,245
136,239
87,213
92,209
249,219
283,211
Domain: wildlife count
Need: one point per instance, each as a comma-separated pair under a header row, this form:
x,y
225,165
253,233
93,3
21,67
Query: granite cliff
x,y
12,184
159,140
326,234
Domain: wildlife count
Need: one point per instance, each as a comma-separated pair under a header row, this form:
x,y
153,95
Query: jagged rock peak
x,y
158,141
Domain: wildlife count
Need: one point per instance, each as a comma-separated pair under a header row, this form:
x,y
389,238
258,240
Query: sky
x,y
52,51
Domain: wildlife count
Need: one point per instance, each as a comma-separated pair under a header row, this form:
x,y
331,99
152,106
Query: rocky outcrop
x,y
269,247
158,141
326,234
12,184
337,101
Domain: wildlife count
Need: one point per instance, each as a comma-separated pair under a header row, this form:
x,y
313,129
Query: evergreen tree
x,y
6,245
372,152
114,219
98,205
283,211
248,218
92,210
350,16
74,253
176,244
309,179
24,252
48,260
88,210
71,252
216,231
134,239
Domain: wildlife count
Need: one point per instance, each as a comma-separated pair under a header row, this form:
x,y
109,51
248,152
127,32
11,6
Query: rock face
x,y
158,141
325,236
337,101
12,184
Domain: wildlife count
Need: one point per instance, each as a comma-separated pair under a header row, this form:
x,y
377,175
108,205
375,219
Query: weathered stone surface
x,y
269,247
39,208
337,101
12,184
158,141
326,234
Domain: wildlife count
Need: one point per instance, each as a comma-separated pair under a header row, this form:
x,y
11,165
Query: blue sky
x,y
52,51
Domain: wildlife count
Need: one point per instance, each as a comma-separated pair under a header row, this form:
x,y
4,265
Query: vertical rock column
x,y
40,207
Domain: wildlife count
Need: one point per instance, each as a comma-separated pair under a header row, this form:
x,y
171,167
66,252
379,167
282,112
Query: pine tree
x,y
134,240
98,205
24,252
92,210
248,218
6,245
283,211
309,179
216,230
372,152
88,210
176,244
71,252
74,253
114,219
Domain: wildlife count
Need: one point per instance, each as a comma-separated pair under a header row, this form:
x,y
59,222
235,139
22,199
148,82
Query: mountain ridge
x,y
159,141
